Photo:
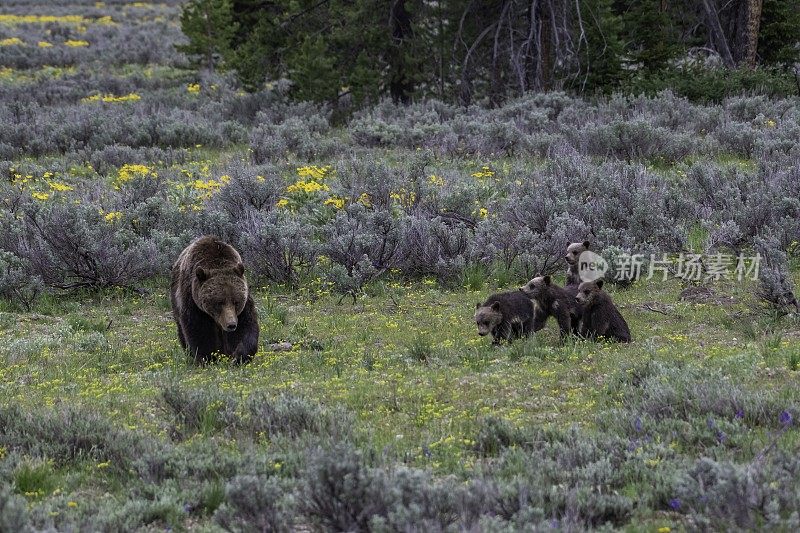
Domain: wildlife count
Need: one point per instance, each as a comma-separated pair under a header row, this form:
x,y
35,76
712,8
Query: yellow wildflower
x,y
484,172
60,187
11,41
40,195
404,197
313,172
104,465
364,200
307,187
335,201
193,88
72,504
76,43
128,172
112,216
44,44
11,20
111,99
209,185
436,180
283,202
483,212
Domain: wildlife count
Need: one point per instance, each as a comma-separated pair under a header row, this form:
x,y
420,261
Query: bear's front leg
x,y
202,336
245,338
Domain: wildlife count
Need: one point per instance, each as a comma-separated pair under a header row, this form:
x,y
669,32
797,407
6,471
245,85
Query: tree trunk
x,y
400,84
750,33
546,44
717,35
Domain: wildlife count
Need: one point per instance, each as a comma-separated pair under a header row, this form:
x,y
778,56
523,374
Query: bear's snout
x,y
230,326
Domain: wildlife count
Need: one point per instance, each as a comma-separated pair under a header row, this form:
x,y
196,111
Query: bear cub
x,y
211,302
551,300
574,252
506,315
601,318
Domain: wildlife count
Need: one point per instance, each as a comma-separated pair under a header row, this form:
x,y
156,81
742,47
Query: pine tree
x,y
601,60
313,71
210,28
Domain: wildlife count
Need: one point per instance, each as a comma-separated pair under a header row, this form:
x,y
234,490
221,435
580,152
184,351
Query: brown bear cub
x,y
601,318
212,304
551,300
574,252
507,315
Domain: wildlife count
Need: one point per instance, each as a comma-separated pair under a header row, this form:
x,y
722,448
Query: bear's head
x,y
487,317
574,252
536,287
221,293
587,290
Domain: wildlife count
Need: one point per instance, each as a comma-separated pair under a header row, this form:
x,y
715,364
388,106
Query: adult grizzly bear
x,y
211,302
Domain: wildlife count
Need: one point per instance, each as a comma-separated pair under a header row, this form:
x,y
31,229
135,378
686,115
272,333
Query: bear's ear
x,y
599,283
201,274
478,305
496,307
239,269
547,280
586,244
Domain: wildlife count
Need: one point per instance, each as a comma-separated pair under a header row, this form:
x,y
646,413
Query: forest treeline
x,y
470,51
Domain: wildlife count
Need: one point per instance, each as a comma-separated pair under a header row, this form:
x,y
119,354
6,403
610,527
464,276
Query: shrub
x,y
364,244
17,285
13,511
254,503
774,282
294,417
278,246
299,137
71,246
68,434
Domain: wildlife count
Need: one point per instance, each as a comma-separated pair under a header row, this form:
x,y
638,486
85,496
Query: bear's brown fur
x,y
211,302
601,318
551,300
506,315
574,251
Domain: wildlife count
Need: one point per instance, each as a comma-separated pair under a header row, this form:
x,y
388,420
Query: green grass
x,y
417,369
406,363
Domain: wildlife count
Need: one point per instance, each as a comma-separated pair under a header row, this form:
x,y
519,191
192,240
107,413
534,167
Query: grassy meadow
x,y
372,404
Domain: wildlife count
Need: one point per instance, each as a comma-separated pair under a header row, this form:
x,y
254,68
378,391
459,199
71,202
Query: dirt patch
x,y
705,295
658,307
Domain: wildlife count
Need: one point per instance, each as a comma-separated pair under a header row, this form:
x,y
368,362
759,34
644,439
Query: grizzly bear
x,y
574,252
506,315
601,318
551,300
211,302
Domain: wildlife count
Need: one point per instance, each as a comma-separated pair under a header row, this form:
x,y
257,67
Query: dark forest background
x,y
471,51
